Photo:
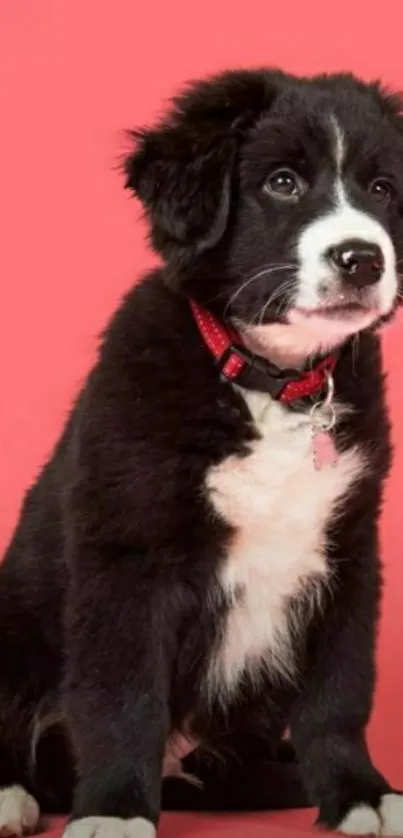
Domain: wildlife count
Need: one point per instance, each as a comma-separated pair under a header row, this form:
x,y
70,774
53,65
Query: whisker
x,y
273,267
268,269
286,287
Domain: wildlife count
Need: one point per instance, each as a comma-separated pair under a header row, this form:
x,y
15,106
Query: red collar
x,y
236,363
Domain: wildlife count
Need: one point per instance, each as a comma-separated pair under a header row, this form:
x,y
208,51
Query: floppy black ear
x,y
183,181
181,170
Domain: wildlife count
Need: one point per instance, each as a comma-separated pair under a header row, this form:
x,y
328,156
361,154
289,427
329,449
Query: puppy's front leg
x,y
116,698
329,719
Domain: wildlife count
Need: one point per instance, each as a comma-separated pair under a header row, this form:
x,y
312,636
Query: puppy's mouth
x,y
348,307
348,310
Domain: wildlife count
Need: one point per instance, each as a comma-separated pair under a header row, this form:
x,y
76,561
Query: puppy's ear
x,y
183,181
182,170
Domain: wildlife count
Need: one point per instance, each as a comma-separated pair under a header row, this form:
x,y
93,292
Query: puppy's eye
x,y
285,185
381,190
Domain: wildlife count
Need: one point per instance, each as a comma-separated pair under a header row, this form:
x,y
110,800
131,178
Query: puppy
x,y
195,573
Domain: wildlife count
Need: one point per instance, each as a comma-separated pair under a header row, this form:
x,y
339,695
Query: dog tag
x,y
324,449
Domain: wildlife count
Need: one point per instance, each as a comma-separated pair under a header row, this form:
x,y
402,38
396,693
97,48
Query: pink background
x,y
73,74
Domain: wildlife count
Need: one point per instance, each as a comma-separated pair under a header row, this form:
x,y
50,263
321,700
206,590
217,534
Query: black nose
x,y
359,262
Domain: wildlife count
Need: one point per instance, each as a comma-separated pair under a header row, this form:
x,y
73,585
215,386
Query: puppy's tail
x,y
256,784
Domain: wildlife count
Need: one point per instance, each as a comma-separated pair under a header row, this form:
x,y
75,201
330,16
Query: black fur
x,y
104,608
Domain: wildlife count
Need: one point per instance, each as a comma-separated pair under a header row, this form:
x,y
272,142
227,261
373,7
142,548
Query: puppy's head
x,y
278,203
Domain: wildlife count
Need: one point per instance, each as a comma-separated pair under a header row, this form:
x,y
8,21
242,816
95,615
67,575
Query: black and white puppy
x,y
196,571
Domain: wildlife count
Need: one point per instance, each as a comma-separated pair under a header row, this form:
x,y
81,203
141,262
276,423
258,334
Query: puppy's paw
x,y
387,820
97,827
19,812
361,820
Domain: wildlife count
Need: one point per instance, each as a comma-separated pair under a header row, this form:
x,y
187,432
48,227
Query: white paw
x,y
362,820
97,827
19,812
391,814
386,821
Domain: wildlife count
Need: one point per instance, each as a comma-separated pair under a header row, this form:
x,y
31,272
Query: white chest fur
x,y
280,507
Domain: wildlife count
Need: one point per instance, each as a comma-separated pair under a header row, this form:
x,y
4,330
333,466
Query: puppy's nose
x,y
358,262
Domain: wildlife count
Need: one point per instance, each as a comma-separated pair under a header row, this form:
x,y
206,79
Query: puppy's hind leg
x,y
19,810
26,668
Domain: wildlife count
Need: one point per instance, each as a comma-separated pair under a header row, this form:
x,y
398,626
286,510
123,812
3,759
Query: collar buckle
x,y
276,378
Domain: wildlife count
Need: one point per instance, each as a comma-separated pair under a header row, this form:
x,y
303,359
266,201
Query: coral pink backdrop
x,y
74,73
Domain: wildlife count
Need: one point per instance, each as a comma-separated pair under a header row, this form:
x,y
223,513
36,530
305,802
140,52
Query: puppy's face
x,y
282,210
